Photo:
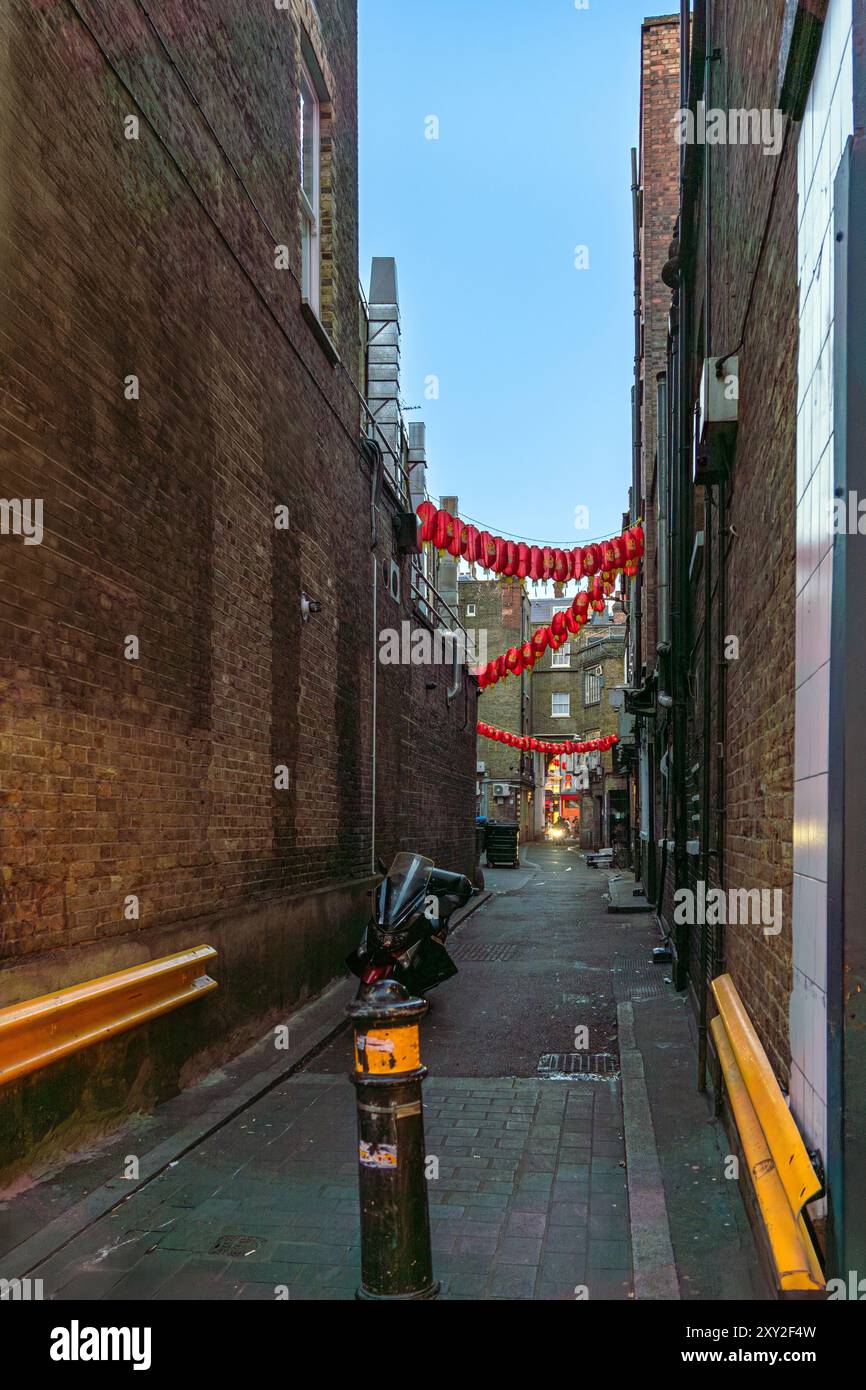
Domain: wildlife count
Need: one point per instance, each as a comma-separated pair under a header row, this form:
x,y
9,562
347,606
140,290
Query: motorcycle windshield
x,y
406,883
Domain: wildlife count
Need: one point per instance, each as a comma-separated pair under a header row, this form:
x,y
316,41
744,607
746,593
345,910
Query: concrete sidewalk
x,y
523,1114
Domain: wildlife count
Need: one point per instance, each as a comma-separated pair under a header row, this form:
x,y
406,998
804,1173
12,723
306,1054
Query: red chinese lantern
x,y
427,513
591,559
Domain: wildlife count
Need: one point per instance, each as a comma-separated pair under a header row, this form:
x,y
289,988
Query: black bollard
x,y
396,1261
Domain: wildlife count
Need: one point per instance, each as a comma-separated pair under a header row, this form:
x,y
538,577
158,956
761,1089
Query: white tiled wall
x,y
828,122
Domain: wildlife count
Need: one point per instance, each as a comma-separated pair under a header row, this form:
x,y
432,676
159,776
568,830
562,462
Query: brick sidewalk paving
x,y
530,1201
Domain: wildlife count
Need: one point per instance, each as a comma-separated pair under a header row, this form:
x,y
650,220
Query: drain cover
x,y
235,1247
578,1066
635,977
478,951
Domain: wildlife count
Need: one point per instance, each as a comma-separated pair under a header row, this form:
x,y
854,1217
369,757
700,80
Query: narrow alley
x,y
530,1198
432,796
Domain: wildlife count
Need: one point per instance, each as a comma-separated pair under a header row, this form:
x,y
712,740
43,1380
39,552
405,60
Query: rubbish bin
x,y
480,839
502,843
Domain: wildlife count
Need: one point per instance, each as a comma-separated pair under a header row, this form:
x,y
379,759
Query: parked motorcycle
x,y
405,937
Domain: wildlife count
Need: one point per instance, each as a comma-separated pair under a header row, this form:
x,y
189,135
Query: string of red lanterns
x,y
526,744
519,560
599,563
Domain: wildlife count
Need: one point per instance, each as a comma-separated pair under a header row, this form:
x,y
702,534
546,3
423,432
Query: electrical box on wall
x,y
716,419
407,531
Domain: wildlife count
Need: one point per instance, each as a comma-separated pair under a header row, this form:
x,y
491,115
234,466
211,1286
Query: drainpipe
x,y
703,1020
682,499
376,459
636,502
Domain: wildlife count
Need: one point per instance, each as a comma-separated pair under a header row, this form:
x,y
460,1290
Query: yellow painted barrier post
x,y
780,1168
40,1031
396,1258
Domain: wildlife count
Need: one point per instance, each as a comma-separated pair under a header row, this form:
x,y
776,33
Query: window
x,y
562,657
470,610
592,686
560,705
310,118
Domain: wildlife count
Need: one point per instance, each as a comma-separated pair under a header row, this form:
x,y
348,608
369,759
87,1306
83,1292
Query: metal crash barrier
x,y
780,1168
40,1031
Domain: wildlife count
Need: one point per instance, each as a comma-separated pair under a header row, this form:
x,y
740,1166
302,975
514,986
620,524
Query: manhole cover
x,y
578,1066
635,977
478,951
235,1247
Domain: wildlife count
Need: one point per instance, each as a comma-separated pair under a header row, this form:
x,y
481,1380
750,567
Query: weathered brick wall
x,y
762,517
760,545
155,777
659,180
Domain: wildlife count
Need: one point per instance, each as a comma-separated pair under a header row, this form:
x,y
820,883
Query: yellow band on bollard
x,y
384,1050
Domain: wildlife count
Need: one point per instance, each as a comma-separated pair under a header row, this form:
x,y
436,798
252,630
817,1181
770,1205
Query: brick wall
x,y
155,777
659,180
758,550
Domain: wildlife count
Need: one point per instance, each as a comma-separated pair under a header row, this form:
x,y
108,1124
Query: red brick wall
x,y
156,257
762,511
760,548
659,180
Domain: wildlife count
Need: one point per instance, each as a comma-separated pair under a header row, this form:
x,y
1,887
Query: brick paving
x,y
530,1201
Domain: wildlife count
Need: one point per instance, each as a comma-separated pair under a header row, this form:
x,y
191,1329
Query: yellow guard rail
x,y
40,1031
779,1164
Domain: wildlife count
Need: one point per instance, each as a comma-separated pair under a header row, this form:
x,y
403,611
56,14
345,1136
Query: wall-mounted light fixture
x,y
309,606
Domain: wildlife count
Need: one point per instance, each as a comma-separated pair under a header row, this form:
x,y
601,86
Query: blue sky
x,y
537,104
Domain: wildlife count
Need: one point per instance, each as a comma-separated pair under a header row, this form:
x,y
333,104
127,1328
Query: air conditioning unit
x,y
501,789
716,419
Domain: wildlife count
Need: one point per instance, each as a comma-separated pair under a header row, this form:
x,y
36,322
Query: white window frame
x,y
595,675
560,695
470,610
561,659
311,232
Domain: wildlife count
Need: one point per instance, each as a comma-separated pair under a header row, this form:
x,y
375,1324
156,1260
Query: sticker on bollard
x,y
377,1155
396,1260
388,1050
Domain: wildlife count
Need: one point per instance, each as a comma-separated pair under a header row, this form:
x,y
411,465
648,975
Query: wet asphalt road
x,y
535,963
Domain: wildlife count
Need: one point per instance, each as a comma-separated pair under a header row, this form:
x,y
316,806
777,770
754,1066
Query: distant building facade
x,y
497,612
571,699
